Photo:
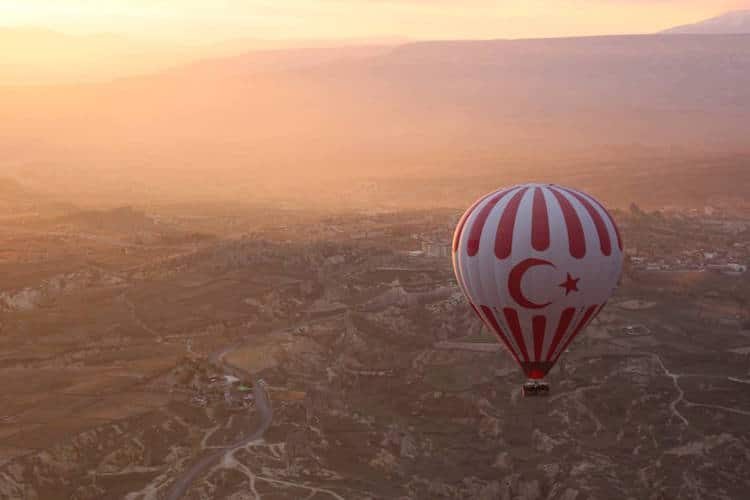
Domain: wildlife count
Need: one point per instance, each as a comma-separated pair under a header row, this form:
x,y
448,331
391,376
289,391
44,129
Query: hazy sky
x,y
202,20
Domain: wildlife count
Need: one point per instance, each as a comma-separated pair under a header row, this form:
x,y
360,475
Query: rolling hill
x,y
311,119
735,22
37,56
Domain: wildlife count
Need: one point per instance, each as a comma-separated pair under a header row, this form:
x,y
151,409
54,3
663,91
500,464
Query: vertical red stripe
x,y
612,221
498,330
539,222
562,327
504,236
511,316
539,324
476,229
576,238
581,325
462,222
476,311
598,311
601,227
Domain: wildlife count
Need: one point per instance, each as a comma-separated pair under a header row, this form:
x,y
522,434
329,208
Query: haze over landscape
x,y
228,108
226,235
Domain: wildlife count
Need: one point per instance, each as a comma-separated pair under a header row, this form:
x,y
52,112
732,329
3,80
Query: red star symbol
x,y
570,285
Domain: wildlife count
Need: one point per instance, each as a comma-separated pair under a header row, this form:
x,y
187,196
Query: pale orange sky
x,y
209,20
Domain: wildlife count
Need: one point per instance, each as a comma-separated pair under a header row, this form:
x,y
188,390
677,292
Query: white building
x,y
432,249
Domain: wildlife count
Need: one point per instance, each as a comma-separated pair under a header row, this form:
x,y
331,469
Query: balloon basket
x,y
534,388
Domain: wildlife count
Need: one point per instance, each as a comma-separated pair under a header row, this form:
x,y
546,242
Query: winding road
x,y
187,478
680,393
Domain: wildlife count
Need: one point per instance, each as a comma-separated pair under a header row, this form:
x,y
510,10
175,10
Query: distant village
x,y
674,240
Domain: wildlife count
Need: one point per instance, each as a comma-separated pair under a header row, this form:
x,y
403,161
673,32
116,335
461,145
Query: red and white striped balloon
x,y
537,262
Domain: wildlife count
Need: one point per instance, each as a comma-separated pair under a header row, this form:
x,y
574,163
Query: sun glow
x,y
189,20
44,41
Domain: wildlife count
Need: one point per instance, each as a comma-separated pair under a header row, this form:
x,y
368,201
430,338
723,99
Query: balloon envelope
x,y
537,263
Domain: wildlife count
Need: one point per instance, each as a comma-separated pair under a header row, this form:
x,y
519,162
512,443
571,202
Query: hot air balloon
x,y
537,263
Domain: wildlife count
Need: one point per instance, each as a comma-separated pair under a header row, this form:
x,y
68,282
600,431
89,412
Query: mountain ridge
x,y
730,23
424,109
41,56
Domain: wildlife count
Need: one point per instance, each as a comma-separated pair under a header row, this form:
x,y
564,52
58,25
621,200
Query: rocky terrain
x,y
125,371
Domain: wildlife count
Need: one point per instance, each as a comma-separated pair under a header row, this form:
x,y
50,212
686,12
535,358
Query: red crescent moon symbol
x,y
514,282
